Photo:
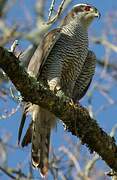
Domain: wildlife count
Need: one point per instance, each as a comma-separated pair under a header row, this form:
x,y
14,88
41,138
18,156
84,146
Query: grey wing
x,y
36,64
84,80
40,56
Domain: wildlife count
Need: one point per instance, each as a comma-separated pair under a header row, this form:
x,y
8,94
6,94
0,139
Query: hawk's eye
x,y
87,8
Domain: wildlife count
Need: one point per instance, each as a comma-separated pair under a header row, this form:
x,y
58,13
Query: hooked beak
x,y
97,13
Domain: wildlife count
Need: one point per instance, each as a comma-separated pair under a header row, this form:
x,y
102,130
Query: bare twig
x,y
106,43
71,157
7,172
109,65
9,114
51,9
89,166
52,20
3,4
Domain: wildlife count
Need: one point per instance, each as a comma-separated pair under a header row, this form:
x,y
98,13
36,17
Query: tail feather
x,y
27,138
44,155
23,119
42,124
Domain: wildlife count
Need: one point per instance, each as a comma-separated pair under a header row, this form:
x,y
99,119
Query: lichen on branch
x,y
75,117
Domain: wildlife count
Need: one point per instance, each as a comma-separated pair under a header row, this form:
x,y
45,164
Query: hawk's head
x,y
85,12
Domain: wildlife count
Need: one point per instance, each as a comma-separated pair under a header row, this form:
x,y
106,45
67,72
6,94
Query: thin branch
x,y
52,20
89,166
51,9
40,7
106,43
76,117
7,172
110,66
71,157
9,114
3,4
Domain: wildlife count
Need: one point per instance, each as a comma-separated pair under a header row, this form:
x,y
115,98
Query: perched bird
x,y
63,62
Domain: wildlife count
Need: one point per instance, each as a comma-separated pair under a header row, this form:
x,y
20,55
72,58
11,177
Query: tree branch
x,y
106,43
75,117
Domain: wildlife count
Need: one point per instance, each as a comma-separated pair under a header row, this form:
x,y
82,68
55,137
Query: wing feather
x,y
84,79
35,66
40,56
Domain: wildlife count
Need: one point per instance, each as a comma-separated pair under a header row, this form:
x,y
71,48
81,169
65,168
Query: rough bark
x,y
75,117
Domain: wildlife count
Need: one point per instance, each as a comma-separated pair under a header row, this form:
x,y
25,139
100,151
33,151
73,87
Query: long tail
x,y
41,131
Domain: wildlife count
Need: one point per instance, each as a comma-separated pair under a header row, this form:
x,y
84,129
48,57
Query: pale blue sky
x,y
106,119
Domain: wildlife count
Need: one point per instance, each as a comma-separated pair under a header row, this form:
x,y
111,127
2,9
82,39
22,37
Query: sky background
x,y
106,119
